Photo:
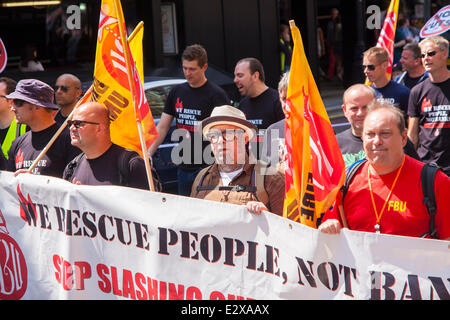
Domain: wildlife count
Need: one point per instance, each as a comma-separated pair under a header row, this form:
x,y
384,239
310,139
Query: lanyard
x,y
377,225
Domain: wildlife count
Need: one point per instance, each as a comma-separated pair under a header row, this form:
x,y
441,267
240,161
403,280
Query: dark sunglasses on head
x,y
429,53
79,123
371,67
18,103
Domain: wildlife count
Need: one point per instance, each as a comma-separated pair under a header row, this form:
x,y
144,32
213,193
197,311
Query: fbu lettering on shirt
x,y
399,206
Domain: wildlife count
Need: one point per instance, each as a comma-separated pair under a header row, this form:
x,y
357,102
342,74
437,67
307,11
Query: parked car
x,y
156,91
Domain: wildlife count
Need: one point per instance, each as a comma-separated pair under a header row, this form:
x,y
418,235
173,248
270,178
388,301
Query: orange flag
x,y
315,168
124,96
387,35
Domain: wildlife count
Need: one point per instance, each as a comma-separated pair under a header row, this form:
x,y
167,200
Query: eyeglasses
x,y
227,135
18,103
63,88
80,123
371,67
429,53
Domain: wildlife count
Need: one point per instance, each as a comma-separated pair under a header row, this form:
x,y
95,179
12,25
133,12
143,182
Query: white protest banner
x,y
62,241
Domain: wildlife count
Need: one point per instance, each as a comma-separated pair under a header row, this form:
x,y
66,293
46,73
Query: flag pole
x,y
132,89
135,31
61,128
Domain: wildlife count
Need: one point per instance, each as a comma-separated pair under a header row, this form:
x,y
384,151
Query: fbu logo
x,y
13,268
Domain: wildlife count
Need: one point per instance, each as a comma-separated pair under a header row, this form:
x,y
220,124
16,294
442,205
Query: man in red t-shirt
x,y
385,194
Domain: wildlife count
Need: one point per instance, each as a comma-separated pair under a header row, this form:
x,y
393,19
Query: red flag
x,y
387,34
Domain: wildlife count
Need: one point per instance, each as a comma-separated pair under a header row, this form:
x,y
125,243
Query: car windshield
x,y
156,98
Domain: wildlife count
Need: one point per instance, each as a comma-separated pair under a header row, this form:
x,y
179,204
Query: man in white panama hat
x,y
233,178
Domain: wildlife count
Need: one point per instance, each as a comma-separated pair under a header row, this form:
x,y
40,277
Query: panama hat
x,y
228,115
35,92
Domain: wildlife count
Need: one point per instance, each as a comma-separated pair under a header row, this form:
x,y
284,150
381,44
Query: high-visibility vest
x,y
14,131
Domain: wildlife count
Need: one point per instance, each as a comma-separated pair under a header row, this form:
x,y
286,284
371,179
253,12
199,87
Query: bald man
x,y
67,92
356,101
102,162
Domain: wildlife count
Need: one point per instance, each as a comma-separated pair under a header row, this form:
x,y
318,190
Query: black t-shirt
x,y
59,118
430,102
352,147
106,170
190,106
411,82
26,148
264,109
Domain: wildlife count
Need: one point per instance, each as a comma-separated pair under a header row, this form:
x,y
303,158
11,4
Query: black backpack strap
x,y
124,169
427,176
350,173
71,166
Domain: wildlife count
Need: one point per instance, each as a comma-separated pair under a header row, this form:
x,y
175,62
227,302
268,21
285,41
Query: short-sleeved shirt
x,y
105,169
394,93
405,213
26,148
430,102
189,106
264,109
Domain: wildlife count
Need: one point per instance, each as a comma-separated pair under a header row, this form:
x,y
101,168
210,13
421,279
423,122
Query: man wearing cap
x,y
67,91
33,105
233,178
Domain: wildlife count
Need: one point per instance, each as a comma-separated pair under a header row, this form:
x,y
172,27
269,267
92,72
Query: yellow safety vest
x,y
13,132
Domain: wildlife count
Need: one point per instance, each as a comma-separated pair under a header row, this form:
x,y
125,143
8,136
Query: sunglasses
x,y
429,53
370,67
63,88
79,123
18,103
227,135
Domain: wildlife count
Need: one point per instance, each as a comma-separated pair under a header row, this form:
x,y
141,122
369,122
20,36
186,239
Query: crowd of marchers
x,y
399,133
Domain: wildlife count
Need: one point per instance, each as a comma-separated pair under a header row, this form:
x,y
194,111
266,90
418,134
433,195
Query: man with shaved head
x,y
102,162
356,101
67,91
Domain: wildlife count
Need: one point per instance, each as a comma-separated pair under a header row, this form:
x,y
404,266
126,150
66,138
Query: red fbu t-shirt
x,y
405,213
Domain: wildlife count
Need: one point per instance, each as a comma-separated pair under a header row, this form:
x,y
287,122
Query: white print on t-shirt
x,y
28,163
256,122
188,117
437,114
